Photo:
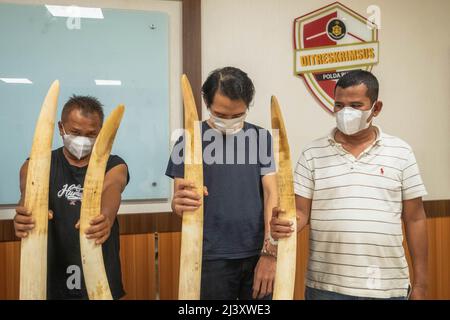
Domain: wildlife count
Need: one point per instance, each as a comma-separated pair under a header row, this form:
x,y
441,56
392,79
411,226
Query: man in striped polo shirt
x,y
355,187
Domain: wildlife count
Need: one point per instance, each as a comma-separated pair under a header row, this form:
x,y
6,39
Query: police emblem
x,y
328,43
336,29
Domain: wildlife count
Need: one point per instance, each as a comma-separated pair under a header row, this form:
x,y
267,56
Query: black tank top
x,y
64,257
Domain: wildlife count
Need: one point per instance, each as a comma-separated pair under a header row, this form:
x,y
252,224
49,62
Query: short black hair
x,y
357,77
86,104
231,82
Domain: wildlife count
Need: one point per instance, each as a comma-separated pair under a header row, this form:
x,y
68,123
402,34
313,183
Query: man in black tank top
x,y
81,121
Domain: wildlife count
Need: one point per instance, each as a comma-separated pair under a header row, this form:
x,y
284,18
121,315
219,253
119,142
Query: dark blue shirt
x,y
233,166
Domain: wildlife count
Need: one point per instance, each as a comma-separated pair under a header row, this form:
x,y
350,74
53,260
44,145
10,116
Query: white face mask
x,y
351,121
228,126
78,146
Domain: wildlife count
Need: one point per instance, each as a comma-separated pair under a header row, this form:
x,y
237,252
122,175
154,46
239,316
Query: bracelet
x,y
272,240
266,251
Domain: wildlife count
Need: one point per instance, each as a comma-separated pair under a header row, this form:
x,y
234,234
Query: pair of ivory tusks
x,y
192,225
33,260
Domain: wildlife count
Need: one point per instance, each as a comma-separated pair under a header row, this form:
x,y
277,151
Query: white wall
x,y
414,71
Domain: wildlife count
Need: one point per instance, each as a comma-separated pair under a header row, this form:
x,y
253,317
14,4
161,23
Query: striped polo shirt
x,y
356,229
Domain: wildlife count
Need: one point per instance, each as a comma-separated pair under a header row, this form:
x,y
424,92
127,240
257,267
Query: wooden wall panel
x,y
7,231
438,258
149,223
302,263
9,270
137,255
169,246
139,265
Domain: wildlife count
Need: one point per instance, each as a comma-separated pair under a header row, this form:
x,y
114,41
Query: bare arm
x,y
23,221
266,267
416,236
270,190
303,206
23,181
113,186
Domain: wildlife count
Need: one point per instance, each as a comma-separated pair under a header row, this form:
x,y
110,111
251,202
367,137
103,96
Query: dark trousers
x,y
228,279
